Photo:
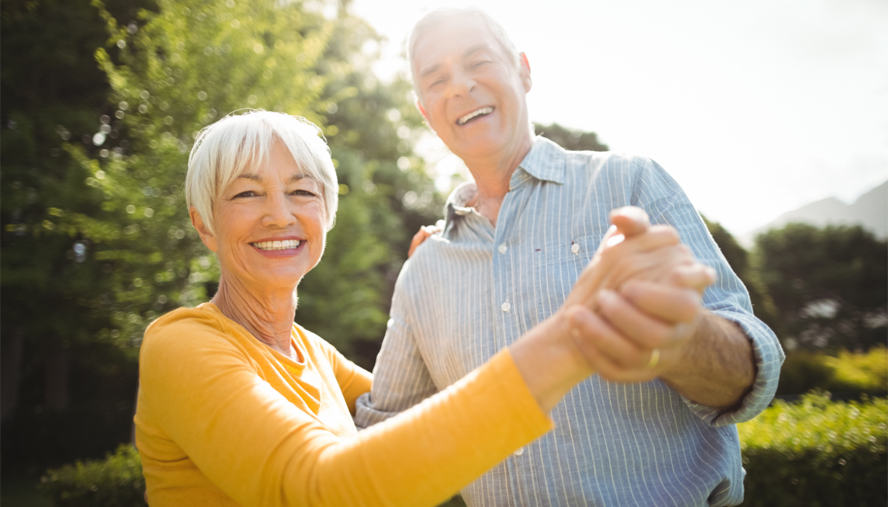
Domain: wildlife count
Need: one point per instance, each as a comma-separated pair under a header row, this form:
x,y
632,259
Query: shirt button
x,y
502,248
575,248
519,452
506,306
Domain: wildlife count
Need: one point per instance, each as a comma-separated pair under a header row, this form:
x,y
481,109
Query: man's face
x,y
470,90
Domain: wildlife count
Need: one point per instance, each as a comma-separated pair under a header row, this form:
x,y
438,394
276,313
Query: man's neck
x,y
492,177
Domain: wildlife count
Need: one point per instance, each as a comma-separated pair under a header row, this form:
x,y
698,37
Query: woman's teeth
x,y
277,245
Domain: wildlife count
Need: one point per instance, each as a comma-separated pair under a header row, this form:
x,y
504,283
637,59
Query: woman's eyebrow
x,y
299,177
258,179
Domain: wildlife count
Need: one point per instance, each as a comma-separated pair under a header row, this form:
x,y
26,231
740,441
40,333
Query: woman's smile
x,y
280,247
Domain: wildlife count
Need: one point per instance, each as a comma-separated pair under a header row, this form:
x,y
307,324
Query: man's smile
x,y
478,113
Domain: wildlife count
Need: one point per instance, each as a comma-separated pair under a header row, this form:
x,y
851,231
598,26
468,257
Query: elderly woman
x,y
240,406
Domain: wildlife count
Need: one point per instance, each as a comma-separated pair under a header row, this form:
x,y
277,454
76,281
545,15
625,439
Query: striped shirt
x,y
474,289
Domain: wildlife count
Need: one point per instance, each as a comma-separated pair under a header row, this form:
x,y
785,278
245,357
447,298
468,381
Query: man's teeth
x,y
481,112
278,245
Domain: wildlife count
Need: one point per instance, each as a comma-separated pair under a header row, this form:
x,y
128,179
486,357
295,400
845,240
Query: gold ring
x,y
654,360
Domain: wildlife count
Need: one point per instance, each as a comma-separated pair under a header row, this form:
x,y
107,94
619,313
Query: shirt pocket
x,y
556,267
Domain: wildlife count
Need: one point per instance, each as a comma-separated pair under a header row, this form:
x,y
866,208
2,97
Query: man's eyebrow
x,y
467,53
474,49
429,70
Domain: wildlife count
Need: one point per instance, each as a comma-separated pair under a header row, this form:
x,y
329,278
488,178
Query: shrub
x,y
817,453
860,372
849,372
115,482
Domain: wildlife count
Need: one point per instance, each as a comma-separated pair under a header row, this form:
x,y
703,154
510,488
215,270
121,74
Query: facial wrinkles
x,y
245,220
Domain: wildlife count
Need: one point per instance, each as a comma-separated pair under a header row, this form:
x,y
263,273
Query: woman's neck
x,y
267,315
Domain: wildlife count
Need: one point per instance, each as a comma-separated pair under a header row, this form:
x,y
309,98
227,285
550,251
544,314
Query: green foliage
x,y
817,453
569,139
827,284
385,195
95,230
116,481
738,259
848,372
861,372
56,295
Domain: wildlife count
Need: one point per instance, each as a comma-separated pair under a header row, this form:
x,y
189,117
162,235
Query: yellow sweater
x,y
223,419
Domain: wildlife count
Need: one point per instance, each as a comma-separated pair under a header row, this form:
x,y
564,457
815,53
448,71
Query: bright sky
x,y
755,107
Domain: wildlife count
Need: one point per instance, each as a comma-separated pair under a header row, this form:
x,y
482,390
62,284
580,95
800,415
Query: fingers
x,y
696,276
630,220
421,235
667,303
656,266
613,265
645,330
605,350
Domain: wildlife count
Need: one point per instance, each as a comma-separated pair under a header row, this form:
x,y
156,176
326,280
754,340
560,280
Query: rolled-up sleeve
x,y
666,203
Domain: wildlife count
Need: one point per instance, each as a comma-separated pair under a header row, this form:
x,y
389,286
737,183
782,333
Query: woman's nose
x,y
278,212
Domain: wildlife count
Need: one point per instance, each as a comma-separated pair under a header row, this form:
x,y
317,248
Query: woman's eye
x,y
304,193
479,63
248,193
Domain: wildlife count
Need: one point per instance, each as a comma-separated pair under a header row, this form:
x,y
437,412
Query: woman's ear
x,y
208,238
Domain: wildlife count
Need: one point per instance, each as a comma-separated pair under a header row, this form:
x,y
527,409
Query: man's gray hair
x,y
444,14
224,149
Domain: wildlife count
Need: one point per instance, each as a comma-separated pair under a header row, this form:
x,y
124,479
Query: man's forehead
x,y
432,66
461,37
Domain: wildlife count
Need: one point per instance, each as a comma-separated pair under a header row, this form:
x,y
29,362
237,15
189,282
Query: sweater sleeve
x,y
352,379
262,450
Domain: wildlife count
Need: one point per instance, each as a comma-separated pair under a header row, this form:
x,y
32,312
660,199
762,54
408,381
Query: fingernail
x,y
606,296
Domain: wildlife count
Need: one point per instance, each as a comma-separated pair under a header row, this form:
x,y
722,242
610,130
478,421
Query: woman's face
x,y
270,224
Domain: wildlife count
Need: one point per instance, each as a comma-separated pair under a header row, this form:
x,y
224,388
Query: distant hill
x,y
870,210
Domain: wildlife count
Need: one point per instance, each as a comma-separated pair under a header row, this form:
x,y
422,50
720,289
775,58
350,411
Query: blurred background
x,y
772,115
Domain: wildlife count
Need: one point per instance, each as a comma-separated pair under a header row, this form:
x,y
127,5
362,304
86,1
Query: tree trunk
x,y
56,380
10,372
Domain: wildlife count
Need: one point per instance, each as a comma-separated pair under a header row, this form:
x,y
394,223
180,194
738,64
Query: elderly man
x,y
656,426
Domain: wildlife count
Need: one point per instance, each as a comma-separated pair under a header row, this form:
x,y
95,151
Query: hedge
x,y
848,372
817,453
115,482
812,453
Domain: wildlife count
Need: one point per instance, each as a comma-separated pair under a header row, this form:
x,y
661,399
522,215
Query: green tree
x,y
828,284
739,260
52,94
570,139
386,195
95,228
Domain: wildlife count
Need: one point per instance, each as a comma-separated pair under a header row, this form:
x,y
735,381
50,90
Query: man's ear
x,y
422,111
525,72
208,238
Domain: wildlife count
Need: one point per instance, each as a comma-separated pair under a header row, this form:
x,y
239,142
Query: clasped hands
x,y
634,310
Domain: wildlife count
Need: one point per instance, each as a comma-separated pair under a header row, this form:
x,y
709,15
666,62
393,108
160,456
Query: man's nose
x,y
461,82
278,211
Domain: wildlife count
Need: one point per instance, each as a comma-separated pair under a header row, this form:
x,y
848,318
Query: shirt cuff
x,y
768,357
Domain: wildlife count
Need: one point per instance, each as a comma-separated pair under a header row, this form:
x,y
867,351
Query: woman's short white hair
x,y
444,14
224,149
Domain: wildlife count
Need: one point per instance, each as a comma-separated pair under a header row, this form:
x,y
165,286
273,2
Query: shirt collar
x,y
545,161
